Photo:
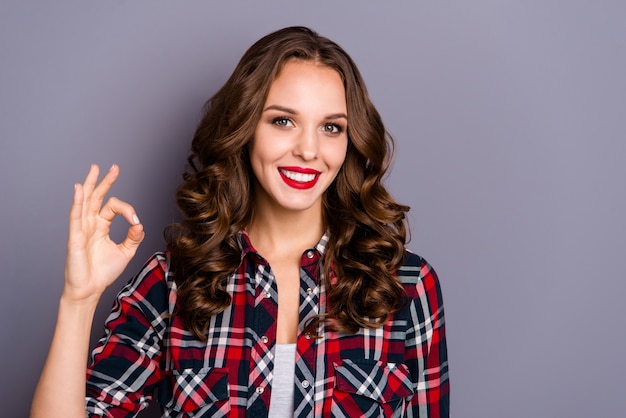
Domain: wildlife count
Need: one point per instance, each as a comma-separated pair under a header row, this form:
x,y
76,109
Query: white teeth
x,y
299,177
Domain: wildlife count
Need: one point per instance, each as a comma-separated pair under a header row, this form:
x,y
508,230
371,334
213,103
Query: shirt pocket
x,y
196,392
370,388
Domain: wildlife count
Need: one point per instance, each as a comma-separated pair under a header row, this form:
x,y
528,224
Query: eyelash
x,y
279,121
337,128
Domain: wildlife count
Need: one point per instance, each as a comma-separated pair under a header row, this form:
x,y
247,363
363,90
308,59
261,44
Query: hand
x,y
94,261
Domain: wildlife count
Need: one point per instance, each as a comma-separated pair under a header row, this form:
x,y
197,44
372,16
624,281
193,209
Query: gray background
x,y
510,125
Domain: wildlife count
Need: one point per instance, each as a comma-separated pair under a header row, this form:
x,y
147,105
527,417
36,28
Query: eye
x,y
332,128
282,121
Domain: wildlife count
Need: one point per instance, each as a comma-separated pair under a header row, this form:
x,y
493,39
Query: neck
x,y
275,232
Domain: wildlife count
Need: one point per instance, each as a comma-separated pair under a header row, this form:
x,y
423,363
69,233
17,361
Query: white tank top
x,y
281,401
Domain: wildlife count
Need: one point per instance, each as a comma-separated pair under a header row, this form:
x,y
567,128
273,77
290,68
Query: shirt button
x,y
307,336
309,254
309,291
260,390
264,339
267,295
305,383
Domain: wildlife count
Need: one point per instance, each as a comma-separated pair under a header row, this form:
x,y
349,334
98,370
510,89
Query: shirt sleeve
x,y
124,366
426,344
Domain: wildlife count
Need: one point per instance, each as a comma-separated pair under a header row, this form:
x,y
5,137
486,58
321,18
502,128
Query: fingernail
x,y
112,167
135,219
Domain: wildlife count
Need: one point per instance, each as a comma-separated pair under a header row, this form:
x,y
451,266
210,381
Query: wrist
x,y
72,302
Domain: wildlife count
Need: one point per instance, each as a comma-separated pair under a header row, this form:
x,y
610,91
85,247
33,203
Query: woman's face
x,y
301,139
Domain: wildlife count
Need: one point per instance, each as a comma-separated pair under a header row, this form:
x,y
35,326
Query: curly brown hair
x,y
366,225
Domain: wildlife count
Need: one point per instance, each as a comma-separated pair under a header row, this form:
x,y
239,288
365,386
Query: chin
x,y
297,205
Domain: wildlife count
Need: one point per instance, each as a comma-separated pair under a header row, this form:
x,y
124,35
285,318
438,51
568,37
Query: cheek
x,y
256,159
260,153
339,155
268,147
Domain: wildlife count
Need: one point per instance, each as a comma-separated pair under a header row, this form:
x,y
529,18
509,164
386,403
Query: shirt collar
x,y
247,248
244,244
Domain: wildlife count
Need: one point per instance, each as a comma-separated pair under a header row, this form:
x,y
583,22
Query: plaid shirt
x,y
397,370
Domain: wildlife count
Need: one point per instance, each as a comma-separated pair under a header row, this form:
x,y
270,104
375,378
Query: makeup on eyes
x,y
286,121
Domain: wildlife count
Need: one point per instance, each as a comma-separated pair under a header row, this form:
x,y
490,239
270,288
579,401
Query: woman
x,y
286,289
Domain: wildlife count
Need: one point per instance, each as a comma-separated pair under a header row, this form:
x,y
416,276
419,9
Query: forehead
x,y
307,81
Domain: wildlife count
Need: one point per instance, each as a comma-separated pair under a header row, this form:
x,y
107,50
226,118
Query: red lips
x,y
300,180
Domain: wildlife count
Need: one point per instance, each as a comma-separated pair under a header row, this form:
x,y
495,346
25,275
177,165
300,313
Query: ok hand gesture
x,y
94,261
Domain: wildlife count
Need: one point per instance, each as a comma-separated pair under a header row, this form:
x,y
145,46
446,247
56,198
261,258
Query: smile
x,y
298,177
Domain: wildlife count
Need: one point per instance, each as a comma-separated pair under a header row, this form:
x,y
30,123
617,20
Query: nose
x,y
307,146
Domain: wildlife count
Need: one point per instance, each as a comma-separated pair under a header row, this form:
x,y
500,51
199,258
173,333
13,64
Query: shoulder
x,y
419,278
150,288
154,270
415,270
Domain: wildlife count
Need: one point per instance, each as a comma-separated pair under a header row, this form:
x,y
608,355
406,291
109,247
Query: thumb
x,y
134,236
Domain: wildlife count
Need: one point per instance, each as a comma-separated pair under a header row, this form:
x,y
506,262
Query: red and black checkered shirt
x,y
397,370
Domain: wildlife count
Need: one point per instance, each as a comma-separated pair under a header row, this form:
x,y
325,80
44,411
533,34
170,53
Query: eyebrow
x,y
293,112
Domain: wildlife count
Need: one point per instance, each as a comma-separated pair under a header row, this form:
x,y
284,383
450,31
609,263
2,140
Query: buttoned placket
x,y
304,393
263,325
